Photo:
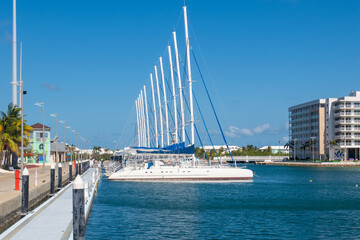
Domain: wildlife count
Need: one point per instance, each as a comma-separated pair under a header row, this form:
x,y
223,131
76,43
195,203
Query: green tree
x,y
10,135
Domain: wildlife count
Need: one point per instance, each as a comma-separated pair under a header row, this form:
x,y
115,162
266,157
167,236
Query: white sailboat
x,y
175,162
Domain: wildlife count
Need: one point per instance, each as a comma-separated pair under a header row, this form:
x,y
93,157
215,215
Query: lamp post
x,y
42,105
68,127
64,122
21,95
55,115
312,148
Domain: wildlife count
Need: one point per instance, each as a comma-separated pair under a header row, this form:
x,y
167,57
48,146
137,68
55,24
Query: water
x,y
281,203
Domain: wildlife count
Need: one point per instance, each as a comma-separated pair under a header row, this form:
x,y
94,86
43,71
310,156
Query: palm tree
x,y
10,135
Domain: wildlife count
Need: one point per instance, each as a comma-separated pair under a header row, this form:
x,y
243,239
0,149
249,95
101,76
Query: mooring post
x,y
25,191
86,192
52,179
78,209
59,176
70,171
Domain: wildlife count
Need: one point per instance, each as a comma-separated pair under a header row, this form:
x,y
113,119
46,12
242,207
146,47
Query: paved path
x,y
52,220
7,180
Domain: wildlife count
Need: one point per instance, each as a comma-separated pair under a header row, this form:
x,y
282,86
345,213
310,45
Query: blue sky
x,y
88,60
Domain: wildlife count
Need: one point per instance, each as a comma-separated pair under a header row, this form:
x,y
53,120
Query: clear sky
x,y
88,60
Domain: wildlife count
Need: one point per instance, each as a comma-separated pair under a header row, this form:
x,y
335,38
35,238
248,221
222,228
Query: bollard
x,y
70,171
93,177
17,180
25,191
52,179
78,209
76,168
59,175
36,177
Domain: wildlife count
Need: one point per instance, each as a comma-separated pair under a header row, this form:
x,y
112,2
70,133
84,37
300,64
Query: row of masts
x,y
162,138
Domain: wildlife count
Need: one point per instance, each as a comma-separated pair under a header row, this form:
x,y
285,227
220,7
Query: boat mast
x,y
180,89
147,119
189,76
173,93
143,130
154,110
140,122
160,111
165,102
137,121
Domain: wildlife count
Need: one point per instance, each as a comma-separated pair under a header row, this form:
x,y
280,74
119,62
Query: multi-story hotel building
x,y
320,123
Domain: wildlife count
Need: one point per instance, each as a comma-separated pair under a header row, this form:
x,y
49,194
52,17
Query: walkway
x,y
52,220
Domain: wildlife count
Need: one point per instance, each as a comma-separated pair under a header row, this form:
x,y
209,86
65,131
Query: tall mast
x,y
14,66
180,89
137,121
143,119
173,93
165,102
160,111
154,110
147,119
189,76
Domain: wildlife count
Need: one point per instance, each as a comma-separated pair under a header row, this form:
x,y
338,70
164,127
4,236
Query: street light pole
x,y
68,127
42,104
55,115
22,112
63,121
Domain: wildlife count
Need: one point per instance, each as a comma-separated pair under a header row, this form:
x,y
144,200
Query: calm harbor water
x,y
281,203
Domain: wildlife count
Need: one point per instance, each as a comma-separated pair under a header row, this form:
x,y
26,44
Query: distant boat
x,y
174,162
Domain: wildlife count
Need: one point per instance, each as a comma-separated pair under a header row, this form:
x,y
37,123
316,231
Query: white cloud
x,y
286,139
237,132
261,128
246,131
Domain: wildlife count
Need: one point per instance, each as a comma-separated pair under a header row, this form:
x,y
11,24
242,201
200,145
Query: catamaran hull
x,y
184,175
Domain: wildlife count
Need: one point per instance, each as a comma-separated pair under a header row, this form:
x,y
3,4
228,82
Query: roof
x,y
38,126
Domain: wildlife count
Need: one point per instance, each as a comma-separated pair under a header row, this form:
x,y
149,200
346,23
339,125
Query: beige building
x,y
323,122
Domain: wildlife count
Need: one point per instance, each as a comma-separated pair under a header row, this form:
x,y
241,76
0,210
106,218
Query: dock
x,y
53,218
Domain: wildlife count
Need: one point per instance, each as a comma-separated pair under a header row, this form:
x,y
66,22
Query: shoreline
x,y
312,164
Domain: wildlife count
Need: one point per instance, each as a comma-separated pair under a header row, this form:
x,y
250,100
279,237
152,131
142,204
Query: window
x,y
41,146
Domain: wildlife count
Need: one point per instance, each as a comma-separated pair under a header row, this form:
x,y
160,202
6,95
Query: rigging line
x,y
207,131
212,105
197,133
186,75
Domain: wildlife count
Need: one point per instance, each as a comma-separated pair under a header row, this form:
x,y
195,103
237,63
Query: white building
x,y
324,121
276,149
218,147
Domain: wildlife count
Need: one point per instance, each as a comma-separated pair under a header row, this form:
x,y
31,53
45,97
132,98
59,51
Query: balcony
x,y
348,129
348,137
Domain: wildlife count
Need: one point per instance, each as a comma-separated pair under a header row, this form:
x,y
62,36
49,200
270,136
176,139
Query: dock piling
x,y
59,176
70,171
78,209
52,179
25,191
